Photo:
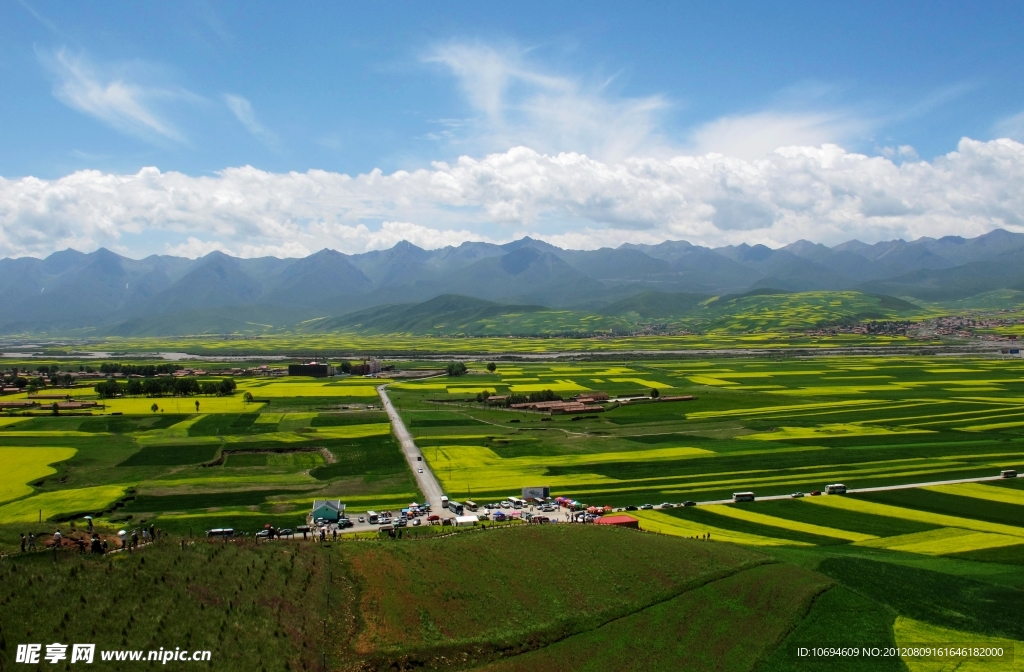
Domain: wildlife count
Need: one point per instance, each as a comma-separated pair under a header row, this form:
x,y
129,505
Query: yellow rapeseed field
x,y
910,633
852,504
749,515
655,521
24,465
981,491
59,502
942,541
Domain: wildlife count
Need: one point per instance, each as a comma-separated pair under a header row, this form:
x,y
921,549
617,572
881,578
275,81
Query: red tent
x,y
619,521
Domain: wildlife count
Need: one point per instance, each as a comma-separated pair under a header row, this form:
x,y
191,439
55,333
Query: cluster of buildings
x,y
585,402
953,326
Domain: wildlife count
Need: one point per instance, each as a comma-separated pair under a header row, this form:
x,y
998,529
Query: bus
x,y
471,505
455,508
742,496
372,517
835,489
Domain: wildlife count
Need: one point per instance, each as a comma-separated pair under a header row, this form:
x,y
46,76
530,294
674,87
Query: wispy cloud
x,y
1010,127
755,135
517,102
242,109
124,105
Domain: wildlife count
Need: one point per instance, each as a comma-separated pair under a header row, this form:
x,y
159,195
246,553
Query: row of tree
x,y
459,369
159,387
145,370
532,397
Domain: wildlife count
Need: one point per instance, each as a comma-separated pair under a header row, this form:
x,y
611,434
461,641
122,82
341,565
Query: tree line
x,y
159,387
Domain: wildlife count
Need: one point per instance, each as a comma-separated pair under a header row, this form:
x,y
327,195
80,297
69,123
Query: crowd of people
x,y
92,540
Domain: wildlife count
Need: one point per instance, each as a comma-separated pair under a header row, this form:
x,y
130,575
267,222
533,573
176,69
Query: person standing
x,y
31,541
135,539
56,538
23,540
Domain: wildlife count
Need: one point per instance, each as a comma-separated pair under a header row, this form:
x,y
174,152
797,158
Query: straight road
x,y
428,484
905,486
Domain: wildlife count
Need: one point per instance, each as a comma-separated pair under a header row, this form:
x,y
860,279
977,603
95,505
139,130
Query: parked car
x,y
815,493
362,519
286,532
400,522
797,494
631,507
667,505
420,470
263,534
345,522
416,522
647,507
689,503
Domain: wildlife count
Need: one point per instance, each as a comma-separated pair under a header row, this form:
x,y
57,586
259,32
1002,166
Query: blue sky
x,y
612,106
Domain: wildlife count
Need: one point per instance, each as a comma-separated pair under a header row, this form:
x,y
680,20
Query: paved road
x,y
879,488
429,486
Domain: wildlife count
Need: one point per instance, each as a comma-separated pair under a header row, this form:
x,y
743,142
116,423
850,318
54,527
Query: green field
x,y
611,599
536,597
772,426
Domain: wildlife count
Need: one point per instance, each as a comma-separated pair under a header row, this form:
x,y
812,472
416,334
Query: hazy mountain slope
x,y
657,304
216,280
72,290
450,313
615,264
309,281
1003,271
526,275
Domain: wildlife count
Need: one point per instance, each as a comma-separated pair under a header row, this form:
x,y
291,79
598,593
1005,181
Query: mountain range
x,y
103,293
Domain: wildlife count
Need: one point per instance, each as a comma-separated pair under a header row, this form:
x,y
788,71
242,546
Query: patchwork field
x,y
939,563
769,426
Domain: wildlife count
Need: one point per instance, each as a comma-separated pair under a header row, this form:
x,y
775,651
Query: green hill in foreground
x,y
529,598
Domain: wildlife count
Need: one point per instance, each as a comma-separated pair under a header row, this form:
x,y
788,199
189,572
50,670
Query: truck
x,y
835,489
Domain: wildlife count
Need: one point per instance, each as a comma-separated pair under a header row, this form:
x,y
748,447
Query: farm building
x,y
328,509
313,369
367,368
619,521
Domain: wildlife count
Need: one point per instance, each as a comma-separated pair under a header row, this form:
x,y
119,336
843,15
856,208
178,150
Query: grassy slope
x,y
695,631
543,598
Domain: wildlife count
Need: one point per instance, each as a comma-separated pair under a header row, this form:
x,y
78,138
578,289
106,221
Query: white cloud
x,y
242,109
519,103
754,136
123,105
823,194
193,248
